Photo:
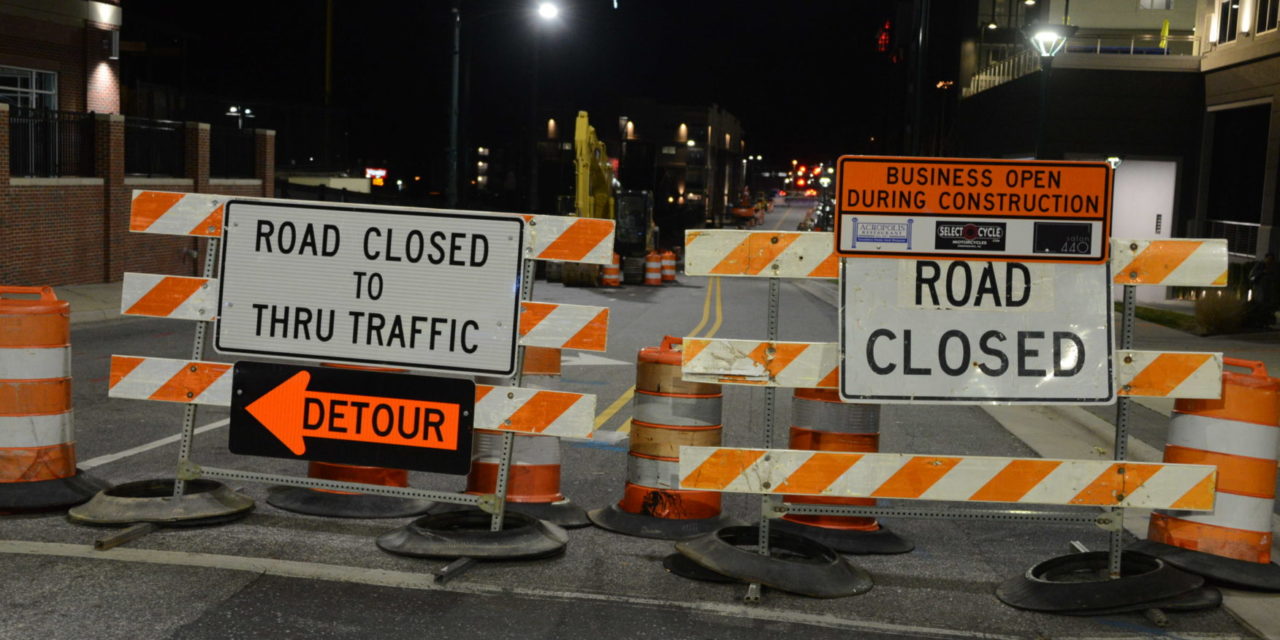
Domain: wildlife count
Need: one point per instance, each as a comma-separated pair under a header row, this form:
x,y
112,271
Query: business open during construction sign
x,y
966,209
968,332
425,289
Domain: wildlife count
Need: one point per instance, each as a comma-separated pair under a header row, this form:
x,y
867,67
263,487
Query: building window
x,y
1158,5
1228,13
1267,14
28,88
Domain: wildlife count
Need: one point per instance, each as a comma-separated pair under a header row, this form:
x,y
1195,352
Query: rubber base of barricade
x,y
686,568
614,519
1225,571
345,505
797,564
1205,597
564,513
49,495
465,534
1078,584
204,502
880,541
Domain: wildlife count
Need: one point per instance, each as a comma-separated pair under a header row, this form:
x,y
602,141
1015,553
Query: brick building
x,y
69,160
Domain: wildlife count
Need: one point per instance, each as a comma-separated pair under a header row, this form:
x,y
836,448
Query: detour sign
x,y
967,209
352,417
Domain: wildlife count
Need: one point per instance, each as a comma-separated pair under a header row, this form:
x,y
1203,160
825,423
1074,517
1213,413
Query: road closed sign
x,y
430,290
969,332
971,209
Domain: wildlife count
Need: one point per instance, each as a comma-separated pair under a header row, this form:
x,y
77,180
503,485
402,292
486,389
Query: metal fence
x,y
48,143
1242,237
232,153
154,147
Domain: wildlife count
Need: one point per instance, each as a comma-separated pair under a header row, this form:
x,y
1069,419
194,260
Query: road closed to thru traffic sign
x,y
417,288
975,332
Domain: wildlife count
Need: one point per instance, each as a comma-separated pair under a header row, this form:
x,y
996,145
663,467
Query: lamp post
x,y
239,113
547,11
1048,40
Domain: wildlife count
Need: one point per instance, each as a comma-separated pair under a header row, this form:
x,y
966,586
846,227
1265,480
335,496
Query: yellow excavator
x,y
596,195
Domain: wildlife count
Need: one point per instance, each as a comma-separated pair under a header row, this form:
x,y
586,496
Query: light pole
x,y
1048,40
239,113
547,11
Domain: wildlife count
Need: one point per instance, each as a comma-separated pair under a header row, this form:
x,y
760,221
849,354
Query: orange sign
x,y
352,417
290,412
973,209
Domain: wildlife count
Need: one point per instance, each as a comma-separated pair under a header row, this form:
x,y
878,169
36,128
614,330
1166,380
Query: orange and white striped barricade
x,y
653,269
669,412
546,328
533,485
37,440
900,476
668,266
770,254
1168,374
821,422
1180,262
762,363
1239,434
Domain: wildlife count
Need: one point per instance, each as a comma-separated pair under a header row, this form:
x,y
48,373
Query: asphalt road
x,y
283,575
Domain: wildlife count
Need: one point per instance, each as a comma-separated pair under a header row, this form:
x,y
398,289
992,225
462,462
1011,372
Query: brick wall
x,y
48,46
76,230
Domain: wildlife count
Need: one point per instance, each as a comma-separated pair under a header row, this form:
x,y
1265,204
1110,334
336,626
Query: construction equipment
x,y
597,195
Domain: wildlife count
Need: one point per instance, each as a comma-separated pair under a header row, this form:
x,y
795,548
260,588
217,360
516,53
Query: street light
x,y
547,11
239,113
1048,40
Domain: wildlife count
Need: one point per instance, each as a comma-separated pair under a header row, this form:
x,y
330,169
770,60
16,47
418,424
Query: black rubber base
x,y
203,503
465,534
49,495
614,519
1078,584
345,505
880,541
686,568
564,514
796,564
1220,570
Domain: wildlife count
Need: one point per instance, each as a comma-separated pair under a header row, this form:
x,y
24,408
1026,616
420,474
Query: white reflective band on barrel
x,y
36,431
676,411
1218,435
652,473
35,364
487,449
1233,511
836,417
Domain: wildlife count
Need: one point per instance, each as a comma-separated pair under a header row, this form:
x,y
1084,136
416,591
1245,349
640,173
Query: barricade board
x,y
354,417
968,209
938,331
431,290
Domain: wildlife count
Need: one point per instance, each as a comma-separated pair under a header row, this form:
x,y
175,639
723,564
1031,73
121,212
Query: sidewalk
x,y
91,302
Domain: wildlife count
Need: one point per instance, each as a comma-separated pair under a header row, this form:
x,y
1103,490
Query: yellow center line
x,y
629,393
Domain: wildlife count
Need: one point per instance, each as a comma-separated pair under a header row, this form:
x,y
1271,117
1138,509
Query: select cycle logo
x,y
972,236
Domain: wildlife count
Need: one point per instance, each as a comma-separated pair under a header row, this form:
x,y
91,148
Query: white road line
x,y
425,581
112,457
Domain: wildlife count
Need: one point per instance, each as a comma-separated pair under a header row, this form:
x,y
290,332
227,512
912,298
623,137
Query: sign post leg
x,y
508,438
767,503
197,354
1122,429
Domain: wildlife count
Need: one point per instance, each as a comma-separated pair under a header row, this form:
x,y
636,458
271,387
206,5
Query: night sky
x,y
804,76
